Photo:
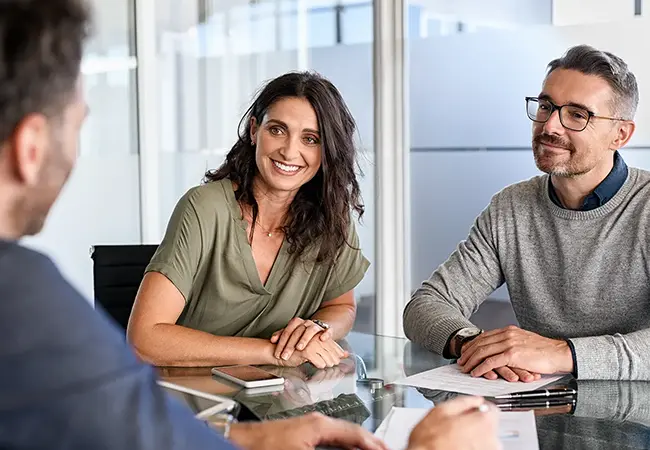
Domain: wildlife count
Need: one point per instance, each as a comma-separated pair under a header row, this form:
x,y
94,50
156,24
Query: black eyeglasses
x,y
572,117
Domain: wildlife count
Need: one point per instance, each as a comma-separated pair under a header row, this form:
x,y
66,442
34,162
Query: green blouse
x,y
205,253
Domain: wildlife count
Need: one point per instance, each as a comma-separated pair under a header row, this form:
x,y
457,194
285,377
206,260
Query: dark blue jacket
x,y
68,380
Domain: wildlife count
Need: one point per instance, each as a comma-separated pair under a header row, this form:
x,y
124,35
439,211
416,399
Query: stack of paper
x,y
450,378
517,430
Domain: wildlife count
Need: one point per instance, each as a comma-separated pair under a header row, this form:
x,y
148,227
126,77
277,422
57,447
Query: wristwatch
x,y
320,323
221,423
460,337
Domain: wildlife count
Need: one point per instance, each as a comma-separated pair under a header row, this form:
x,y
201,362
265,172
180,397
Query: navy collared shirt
x,y
604,191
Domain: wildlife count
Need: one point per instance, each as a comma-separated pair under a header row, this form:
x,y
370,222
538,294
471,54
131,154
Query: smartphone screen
x,y
247,373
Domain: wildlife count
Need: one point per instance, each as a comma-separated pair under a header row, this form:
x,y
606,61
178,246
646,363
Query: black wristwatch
x,y
460,337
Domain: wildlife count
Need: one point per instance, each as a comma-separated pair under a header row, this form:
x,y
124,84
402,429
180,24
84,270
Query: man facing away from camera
x,y
572,245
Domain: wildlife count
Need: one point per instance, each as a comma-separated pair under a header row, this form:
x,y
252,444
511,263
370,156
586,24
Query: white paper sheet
x,y
450,378
517,430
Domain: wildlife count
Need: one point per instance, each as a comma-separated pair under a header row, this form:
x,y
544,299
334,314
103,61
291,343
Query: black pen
x,y
550,403
543,393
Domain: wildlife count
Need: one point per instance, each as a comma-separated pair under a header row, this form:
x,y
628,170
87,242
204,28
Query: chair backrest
x,y
117,273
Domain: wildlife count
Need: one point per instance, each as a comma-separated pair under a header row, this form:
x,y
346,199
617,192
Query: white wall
x,y
574,12
517,12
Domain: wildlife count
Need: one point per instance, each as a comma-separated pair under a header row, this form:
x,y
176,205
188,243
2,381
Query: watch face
x,y
469,332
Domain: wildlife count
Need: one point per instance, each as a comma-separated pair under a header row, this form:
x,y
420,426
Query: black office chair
x,y
117,273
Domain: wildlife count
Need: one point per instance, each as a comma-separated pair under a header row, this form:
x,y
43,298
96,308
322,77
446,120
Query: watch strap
x,y
448,351
458,341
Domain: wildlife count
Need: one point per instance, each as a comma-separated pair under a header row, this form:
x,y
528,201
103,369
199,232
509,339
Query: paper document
x,y
517,430
450,378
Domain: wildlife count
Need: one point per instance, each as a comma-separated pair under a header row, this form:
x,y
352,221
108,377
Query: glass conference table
x,y
608,414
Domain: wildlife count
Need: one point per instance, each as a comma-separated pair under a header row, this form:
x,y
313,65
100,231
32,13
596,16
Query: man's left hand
x,y
515,348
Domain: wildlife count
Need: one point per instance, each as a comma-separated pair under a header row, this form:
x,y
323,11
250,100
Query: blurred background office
x,y
168,80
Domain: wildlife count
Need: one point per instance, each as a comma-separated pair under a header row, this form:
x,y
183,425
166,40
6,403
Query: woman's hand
x,y
296,336
320,354
324,354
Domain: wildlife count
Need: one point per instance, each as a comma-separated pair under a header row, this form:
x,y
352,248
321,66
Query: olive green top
x,y
206,254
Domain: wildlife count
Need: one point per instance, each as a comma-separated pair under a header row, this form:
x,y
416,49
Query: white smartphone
x,y
266,390
248,376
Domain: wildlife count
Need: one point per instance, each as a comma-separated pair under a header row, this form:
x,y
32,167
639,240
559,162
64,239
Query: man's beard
x,y
567,168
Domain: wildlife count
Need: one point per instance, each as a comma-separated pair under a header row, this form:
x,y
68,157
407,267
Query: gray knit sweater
x,y
583,275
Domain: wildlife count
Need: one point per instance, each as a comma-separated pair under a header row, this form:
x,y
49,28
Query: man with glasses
x,y
572,245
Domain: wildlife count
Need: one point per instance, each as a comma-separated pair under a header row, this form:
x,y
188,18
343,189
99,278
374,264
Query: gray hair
x,y
609,67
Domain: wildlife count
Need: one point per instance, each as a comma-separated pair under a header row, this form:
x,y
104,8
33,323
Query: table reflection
x,y
607,414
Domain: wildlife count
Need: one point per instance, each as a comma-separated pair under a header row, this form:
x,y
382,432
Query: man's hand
x,y
515,349
511,374
457,424
303,433
297,335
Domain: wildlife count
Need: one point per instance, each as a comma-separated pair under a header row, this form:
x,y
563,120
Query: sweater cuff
x,y
431,334
573,356
596,357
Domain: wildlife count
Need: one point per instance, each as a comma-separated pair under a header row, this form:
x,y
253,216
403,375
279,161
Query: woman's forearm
x,y
339,317
174,345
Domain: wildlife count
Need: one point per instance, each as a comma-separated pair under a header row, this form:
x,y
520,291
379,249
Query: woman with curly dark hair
x,y
258,264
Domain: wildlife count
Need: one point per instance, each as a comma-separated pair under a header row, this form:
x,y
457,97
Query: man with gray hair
x,y
572,245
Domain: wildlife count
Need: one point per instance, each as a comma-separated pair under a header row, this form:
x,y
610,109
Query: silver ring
x,y
321,324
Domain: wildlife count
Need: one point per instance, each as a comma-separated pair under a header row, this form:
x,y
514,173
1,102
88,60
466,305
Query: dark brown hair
x,y
41,46
321,211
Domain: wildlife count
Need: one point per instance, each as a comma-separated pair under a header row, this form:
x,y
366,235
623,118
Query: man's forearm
x,y
174,345
615,357
340,318
430,323
444,303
